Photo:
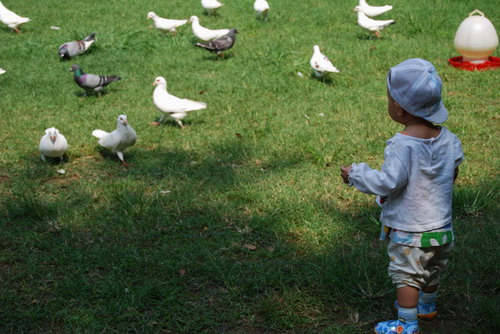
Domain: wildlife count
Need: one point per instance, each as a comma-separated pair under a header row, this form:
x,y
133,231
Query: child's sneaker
x,y
397,327
424,311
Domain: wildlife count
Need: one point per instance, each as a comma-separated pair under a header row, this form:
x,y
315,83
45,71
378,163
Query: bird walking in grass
x,y
372,11
320,63
261,8
203,33
161,23
2,71
11,19
53,145
118,140
170,105
221,44
92,82
211,6
74,48
372,25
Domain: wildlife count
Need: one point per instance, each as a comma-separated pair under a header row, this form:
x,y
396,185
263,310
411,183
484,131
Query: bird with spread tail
x,y
118,140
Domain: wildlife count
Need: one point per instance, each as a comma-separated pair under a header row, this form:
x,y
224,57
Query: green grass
x,y
163,247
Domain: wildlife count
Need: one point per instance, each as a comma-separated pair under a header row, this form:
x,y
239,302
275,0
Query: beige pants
x,y
417,266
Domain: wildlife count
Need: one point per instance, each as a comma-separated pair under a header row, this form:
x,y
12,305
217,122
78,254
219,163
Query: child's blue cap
x,y
416,86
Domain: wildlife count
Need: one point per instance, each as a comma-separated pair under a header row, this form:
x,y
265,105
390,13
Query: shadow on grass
x,y
327,79
183,243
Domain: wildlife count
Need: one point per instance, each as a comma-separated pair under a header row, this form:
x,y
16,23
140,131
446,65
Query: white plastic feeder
x,y
476,38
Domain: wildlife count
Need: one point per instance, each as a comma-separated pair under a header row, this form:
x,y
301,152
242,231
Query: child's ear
x,y
400,111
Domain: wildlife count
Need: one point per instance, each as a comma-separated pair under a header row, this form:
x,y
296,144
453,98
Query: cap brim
x,y
440,116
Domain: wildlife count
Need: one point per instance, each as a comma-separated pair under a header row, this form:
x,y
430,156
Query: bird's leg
x,y
17,30
120,156
43,158
162,117
377,33
180,123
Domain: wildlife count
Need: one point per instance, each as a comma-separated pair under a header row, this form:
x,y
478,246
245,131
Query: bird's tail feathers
x,y
90,37
204,45
199,105
110,78
99,133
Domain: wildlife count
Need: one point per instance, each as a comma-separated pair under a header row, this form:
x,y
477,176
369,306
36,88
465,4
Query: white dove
x,y
2,71
203,33
11,19
372,25
261,8
320,63
118,140
211,6
170,105
53,145
373,10
165,24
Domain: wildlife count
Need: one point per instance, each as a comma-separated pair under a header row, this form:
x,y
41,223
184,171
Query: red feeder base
x,y
490,64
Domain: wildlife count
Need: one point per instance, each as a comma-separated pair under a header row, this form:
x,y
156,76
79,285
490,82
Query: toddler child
x,y
414,188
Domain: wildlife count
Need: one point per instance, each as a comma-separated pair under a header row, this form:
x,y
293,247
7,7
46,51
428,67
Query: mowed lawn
x,y
239,223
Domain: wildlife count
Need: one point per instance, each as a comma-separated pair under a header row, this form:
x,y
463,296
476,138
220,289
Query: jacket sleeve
x,y
393,175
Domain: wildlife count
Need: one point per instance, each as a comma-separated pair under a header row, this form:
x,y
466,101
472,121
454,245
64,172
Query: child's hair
x,y
416,86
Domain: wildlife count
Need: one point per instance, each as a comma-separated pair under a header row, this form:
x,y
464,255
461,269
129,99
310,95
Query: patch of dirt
x,y
64,180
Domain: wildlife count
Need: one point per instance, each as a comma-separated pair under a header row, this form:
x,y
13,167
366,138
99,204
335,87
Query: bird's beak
x,y
125,122
53,139
154,83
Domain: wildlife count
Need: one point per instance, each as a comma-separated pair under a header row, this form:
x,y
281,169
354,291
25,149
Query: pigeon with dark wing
x,y
92,82
74,48
221,44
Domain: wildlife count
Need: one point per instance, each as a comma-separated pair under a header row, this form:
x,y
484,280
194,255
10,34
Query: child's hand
x,y
345,173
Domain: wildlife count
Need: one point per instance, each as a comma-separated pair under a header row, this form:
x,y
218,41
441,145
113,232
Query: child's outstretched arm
x,y
392,176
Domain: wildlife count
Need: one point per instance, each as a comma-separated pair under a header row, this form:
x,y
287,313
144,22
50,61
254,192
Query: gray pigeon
x,y
74,48
92,82
221,44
